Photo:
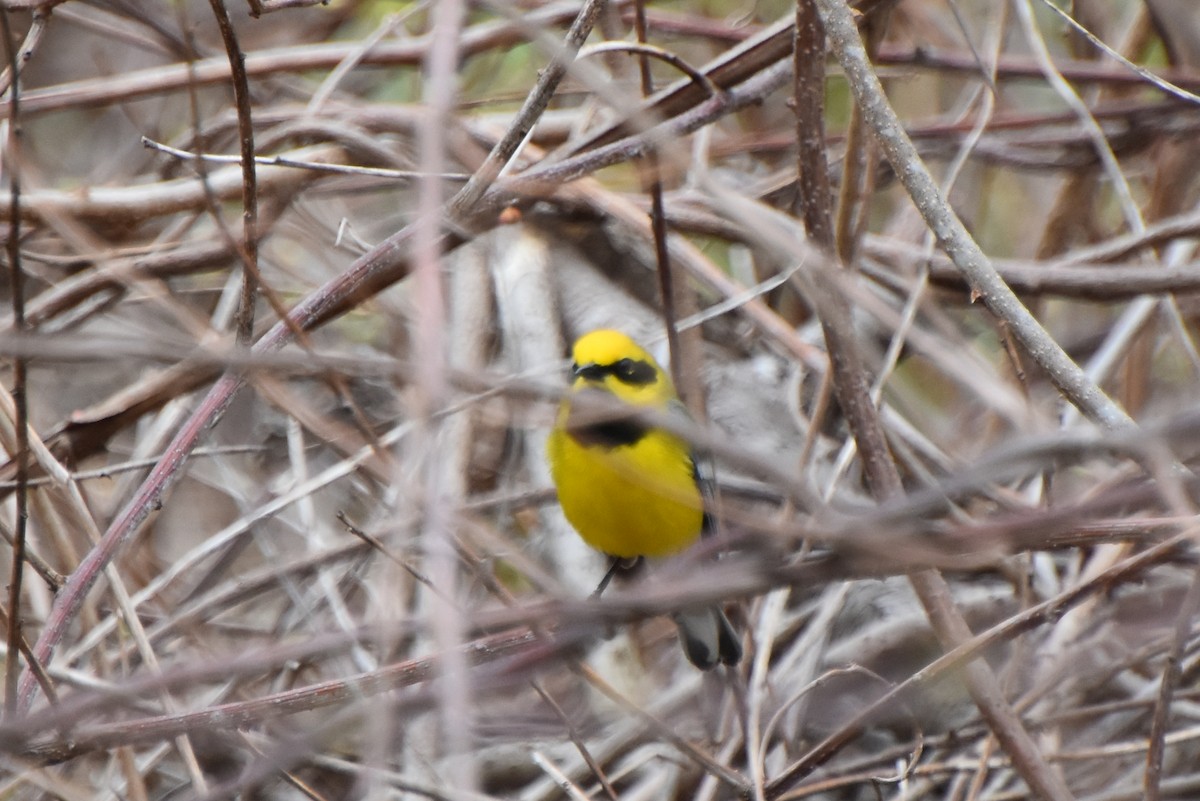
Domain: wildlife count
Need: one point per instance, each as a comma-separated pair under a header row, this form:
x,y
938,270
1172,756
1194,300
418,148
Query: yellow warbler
x,y
629,489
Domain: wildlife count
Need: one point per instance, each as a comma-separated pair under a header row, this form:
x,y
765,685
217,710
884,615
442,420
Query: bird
x,y
631,490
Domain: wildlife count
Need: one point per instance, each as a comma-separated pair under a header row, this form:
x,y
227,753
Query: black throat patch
x,y
605,432
609,434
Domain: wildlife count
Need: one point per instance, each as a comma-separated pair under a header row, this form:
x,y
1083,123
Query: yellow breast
x,y
628,500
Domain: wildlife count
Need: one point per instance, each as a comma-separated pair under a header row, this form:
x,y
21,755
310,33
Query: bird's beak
x,y
588,372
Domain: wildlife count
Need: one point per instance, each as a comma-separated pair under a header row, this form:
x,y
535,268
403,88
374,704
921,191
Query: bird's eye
x,y
629,371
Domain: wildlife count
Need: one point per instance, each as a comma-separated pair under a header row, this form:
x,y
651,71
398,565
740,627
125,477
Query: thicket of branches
x,y
283,526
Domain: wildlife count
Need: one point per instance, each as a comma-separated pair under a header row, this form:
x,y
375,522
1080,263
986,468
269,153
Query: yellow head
x,y
610,361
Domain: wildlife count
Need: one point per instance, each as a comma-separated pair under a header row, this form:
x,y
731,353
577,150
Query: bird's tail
x,y
708,638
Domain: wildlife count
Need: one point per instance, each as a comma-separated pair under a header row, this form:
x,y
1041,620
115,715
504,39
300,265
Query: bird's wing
x,y
703,468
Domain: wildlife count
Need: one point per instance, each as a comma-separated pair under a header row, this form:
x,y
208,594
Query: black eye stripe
x,y
635,372
628,371
592,372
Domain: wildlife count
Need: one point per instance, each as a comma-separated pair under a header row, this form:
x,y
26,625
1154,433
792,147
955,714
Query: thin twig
x,y
535,103
1172,670
726,774
690,390
384,264
296,58
813,198
1033,34
1010,628
12,157
33,37
1066,375
643,49
578,740
1142,72
312,166
249,244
